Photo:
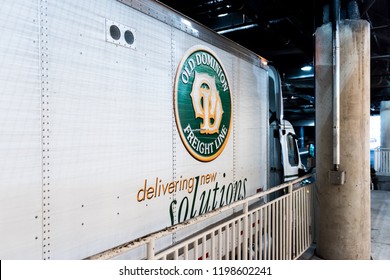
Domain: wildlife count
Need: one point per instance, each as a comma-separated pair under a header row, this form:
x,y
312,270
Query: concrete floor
x,y
380,228
380,225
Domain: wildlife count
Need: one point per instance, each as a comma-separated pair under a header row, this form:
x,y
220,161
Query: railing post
x,y
376,159
150,250
245,248
290,242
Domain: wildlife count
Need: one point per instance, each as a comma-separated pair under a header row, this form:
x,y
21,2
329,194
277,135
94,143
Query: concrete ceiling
x,y
282,31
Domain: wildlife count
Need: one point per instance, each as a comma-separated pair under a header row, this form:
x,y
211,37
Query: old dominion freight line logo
x,y
203,104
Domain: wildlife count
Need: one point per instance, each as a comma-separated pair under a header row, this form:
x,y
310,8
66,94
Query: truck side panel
x,y
20,132
110,110
251,126
93,154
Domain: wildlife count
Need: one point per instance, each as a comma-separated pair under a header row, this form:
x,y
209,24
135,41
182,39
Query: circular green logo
x,y
203,104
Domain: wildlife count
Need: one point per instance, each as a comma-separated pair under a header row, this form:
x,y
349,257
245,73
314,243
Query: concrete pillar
x,y
344,210
385,124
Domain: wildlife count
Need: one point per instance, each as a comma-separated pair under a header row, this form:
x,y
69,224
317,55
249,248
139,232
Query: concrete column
x,y
385,124
344,210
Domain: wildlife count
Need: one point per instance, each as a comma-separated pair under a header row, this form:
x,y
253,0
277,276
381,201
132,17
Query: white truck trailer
x,y
122,118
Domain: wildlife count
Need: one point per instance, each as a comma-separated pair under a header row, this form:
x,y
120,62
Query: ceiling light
x,y
239,28
223,15
306,68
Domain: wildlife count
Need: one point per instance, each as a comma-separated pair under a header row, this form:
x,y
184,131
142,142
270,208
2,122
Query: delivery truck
x,y
122,118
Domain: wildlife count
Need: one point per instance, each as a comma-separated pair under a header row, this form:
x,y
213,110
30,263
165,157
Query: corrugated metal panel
x,y
20,132
112,127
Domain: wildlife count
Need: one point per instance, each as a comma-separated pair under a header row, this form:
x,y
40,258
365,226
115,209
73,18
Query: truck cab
x,y
284,157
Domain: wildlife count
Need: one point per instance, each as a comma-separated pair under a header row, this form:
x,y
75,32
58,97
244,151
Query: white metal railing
x,y
280,229
382,161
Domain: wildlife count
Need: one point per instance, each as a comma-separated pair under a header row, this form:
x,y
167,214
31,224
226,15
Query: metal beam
x,y
379,57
